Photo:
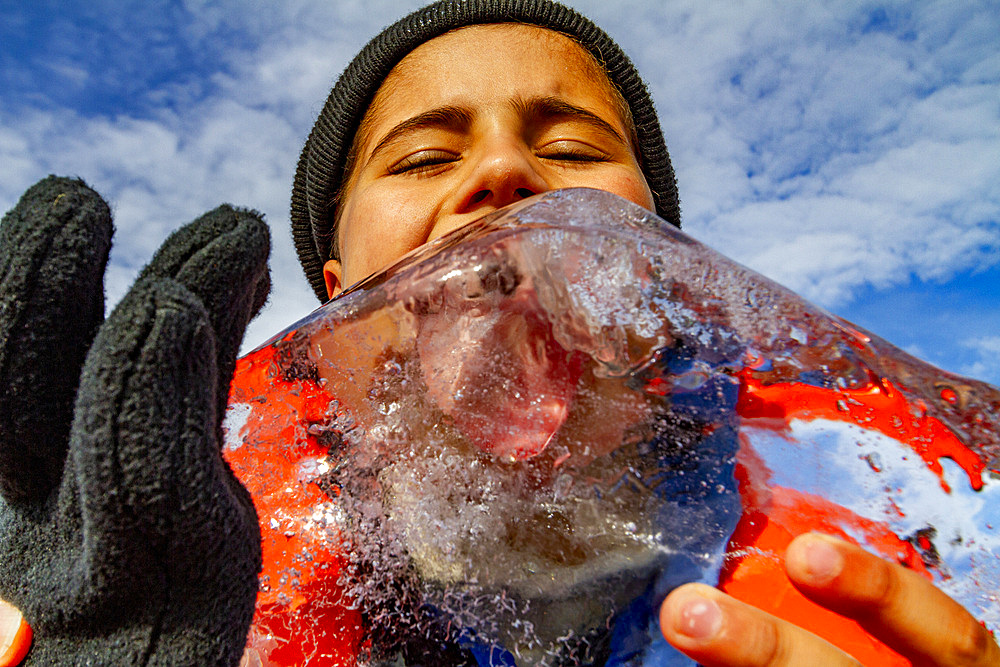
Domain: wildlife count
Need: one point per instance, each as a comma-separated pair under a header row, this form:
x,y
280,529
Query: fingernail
x,y
823,561
699,618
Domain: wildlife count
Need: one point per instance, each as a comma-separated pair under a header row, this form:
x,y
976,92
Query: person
x,y
458,110
465,107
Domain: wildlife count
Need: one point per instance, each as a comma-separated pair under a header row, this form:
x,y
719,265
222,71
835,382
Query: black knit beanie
x,y
320,171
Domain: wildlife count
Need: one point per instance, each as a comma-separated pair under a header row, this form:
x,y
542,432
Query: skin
x,y
894,604
487,115
468,123
12,646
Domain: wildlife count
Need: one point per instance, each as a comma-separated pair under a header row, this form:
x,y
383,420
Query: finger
x,y
715,629
170,536
15,635
221,258
896,605
54,247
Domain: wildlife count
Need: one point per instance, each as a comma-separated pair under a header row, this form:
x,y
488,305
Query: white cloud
x,y
825,155
986,345
987,362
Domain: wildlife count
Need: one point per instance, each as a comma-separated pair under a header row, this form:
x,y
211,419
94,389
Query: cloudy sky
x,y
849,150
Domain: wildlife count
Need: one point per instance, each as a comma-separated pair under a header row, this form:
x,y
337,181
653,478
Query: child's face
x,y
472,121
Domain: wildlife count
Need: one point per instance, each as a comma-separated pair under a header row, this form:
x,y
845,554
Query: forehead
x,y
530,44
475,64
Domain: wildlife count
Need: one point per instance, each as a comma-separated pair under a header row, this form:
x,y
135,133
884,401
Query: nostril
x,y
479,196
523,193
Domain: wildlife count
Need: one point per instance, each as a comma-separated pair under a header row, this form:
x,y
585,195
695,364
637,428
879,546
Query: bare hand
x,y
893,604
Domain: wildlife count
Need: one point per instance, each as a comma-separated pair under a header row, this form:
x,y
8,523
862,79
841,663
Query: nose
x,y
504,172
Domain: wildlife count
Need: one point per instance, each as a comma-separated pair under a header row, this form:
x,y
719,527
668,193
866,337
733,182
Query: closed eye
x,y
422,161
572,151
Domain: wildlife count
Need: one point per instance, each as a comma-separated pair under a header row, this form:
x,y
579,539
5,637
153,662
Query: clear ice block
x,y
508,447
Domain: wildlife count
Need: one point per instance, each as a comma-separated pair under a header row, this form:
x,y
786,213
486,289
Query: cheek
x,y
379,225
625,183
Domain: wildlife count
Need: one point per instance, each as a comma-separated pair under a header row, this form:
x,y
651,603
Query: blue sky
x,y
851,152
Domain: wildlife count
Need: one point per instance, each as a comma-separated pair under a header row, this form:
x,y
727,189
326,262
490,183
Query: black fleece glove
x,y
124,537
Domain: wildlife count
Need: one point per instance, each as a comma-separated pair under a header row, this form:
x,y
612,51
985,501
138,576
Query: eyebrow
x,y
446,117
549,106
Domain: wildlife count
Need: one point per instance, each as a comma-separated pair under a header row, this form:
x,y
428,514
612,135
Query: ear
x,y
332,272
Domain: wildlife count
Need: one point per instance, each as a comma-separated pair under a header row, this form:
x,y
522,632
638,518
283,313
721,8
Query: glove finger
x,y
222,259
54,247
171,538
